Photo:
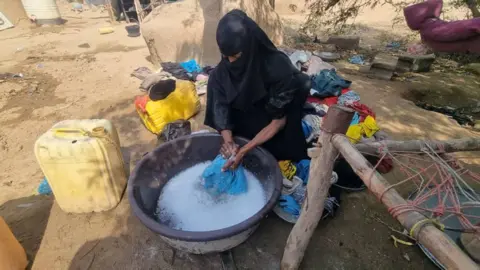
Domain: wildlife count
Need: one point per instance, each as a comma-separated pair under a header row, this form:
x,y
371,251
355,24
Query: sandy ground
x,y
63,81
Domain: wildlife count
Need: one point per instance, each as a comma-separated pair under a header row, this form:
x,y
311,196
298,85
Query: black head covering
x,y
242,79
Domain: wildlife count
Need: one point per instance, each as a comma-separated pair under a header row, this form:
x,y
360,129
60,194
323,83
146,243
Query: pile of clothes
x,y
328,89
172,93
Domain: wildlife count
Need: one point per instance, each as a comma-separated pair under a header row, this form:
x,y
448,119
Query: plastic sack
x,y
181,104
231,182
44,188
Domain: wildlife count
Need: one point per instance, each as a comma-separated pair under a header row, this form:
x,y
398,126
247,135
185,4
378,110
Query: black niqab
x,y
242,80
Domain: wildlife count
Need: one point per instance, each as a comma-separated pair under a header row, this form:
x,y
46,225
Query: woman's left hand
x,y
234,162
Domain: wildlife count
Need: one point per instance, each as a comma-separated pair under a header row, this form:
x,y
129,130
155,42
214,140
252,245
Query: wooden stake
x,y
447,252
337,120
110,11
127,19
139,9
459,145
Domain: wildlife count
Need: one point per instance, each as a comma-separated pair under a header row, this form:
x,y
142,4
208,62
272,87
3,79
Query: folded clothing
x,y
328,83
231,182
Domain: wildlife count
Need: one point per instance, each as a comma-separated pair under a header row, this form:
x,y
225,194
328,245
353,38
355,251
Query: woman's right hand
x,y
228,149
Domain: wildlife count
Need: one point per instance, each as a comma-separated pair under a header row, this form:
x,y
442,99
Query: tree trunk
x,y
272,3
472,5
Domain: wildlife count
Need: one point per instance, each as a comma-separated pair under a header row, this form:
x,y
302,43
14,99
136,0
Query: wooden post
x,y
127,19
139,9
447,252
459,145
110,11
337,120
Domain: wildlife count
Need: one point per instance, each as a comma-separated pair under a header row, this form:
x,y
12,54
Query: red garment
x,y
141,103
329,101
363,110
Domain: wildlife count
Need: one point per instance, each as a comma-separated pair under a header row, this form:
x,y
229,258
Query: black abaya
x,y
261,85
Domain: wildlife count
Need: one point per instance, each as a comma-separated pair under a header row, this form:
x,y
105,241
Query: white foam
x,y
185,205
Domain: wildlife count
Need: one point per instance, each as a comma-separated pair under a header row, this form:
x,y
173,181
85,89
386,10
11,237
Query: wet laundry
x,y
219,182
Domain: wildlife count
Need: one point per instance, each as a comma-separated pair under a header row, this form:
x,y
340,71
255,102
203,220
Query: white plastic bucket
x,y
43,11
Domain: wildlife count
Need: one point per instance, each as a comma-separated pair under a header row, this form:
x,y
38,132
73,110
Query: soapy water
x,y
184,204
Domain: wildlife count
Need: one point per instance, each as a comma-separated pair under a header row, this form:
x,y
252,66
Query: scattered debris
x,y
133,30
228,263
406,257
24,205
345,42
383,66
393,45
327,56
106,30
415,63
4,22
473,68
44,188
357,60
417,49
84,45
78,7
461,115
141,73
4,76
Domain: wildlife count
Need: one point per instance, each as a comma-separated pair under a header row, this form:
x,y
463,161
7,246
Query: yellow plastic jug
x,y
82,162
12,254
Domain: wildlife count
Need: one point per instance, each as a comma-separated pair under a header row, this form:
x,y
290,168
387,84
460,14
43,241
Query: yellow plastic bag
x,y
181,104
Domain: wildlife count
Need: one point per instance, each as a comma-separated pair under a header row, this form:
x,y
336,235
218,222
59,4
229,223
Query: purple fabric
x,y
442,36
438,30
417,14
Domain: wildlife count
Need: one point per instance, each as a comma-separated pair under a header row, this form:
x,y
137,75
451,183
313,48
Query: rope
x,y
438,175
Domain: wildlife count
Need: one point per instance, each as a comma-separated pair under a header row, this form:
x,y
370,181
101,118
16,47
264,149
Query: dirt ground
x,y
64,81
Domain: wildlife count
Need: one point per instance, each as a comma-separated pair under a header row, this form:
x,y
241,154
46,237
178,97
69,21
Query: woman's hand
x,y
228,149
234,161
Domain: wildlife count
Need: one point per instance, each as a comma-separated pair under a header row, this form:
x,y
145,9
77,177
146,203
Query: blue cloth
x,y
328,83
231,182
289,205
191,66
394,45
357,60
355,119
307,129
44,187
303,169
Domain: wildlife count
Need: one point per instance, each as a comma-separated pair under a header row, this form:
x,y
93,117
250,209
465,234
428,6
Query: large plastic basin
x,y
156,168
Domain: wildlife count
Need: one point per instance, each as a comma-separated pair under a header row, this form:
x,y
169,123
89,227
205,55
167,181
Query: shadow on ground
x,y
27,218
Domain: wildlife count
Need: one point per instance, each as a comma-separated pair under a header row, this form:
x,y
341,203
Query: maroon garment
x,y
443,36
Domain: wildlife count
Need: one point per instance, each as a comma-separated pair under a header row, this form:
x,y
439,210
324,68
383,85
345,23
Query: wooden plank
x,y
139,9
337,120
440,245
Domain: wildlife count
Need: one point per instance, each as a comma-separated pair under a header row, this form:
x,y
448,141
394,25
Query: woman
x,y
255,92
